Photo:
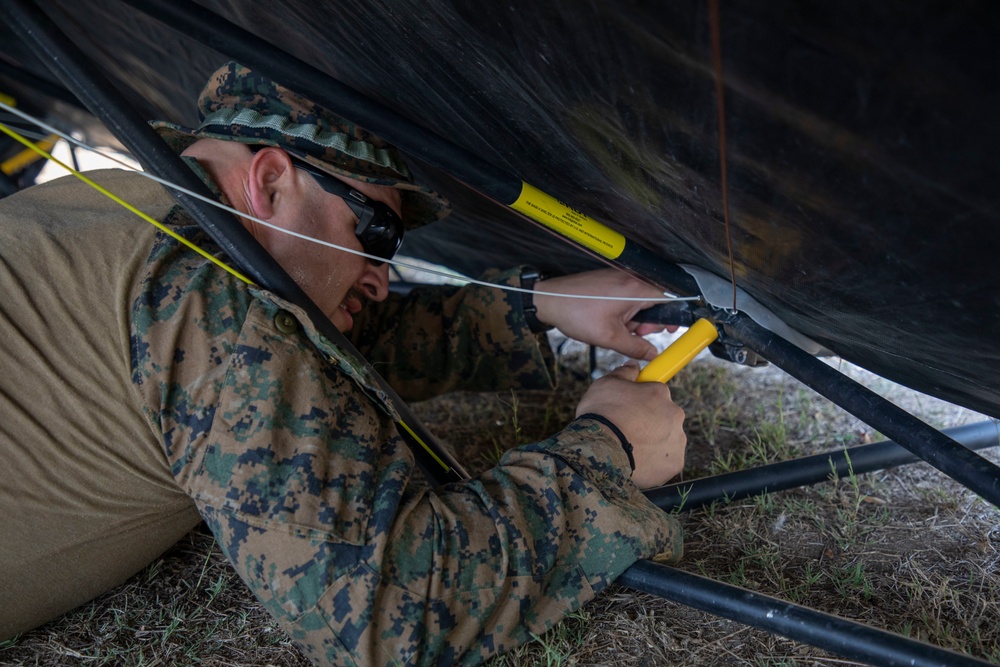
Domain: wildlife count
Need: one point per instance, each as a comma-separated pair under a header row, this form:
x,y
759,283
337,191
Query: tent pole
x,y
784,475
846,638
964,466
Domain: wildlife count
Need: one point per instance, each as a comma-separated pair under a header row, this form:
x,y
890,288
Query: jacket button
x,y
285,322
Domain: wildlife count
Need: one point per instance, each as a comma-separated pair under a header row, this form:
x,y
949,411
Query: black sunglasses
x,y
379,229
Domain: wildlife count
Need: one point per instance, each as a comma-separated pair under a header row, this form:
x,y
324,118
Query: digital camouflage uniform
x,y
221,402
294,460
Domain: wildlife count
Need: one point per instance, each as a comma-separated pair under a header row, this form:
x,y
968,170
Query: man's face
x,y
339,282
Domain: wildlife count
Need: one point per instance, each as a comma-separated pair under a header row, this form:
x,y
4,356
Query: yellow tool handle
x,y
701,334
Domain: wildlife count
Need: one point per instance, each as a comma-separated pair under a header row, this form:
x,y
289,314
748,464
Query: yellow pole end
x,y
28,156
701,334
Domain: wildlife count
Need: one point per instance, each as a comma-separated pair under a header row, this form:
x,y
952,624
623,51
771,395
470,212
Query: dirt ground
x,y
905,550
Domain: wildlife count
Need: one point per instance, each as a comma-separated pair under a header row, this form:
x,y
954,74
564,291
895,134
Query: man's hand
x,y
606,322
647,416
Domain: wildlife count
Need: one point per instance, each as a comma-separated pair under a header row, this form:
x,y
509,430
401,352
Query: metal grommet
x,y
285,322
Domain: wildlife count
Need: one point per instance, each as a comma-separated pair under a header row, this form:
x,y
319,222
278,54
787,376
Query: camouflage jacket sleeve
x,y
440,339
293,458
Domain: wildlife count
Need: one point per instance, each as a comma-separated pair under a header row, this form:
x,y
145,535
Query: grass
x,y
905,550
559,647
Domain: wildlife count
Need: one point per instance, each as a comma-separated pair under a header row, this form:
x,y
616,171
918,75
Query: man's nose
x,y
374,281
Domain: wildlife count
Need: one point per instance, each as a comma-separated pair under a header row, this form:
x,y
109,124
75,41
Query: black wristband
x,y
626,445
529,276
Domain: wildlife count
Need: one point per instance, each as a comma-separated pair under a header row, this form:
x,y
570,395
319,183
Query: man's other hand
x,y
605,323
647,417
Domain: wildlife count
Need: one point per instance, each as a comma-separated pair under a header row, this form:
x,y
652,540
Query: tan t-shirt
x,y
86,497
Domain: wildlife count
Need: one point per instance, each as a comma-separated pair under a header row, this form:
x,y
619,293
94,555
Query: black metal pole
x,y
80,77
243,46
39,84
837,635
948,456
808,470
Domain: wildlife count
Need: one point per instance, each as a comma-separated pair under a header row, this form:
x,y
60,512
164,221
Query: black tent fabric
x,y
861,143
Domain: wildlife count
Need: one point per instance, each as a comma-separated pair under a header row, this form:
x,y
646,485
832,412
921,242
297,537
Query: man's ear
x,y
271,176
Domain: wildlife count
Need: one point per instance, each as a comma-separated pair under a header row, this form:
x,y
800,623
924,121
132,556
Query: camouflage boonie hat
x,y
241,105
